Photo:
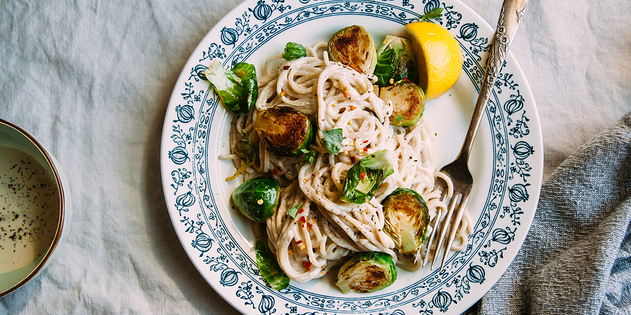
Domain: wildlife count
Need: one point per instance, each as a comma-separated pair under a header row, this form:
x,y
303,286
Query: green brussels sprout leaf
x,y
237,88
268,266
333,140
396,61
294,51
365,177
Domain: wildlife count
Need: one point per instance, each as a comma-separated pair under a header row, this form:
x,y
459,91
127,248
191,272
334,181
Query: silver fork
x,y
458,170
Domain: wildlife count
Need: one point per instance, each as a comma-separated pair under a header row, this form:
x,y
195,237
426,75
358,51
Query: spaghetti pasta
x,y
326,229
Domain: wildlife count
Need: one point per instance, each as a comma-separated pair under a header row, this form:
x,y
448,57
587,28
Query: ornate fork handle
x,y
510,17
458,170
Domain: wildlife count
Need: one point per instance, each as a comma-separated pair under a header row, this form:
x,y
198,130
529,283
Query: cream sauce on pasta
x,y
326,229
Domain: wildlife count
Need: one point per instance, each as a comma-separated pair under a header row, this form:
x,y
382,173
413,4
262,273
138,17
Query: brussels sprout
x,y
237,88
366,272
365,177
408,101
406,219
246,152
354,47
396,61
294,51
268,266
284,130
257,198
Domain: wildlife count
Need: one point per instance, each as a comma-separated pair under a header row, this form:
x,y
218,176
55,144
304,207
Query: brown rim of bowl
x,y
62,212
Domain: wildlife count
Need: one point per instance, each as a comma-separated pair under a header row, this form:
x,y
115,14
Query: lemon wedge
x,y
438,55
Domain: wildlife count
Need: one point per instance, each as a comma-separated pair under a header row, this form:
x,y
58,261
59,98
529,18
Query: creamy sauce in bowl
x,y
29,209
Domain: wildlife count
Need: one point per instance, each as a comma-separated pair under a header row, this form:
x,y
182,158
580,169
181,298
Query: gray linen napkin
x,y
576,258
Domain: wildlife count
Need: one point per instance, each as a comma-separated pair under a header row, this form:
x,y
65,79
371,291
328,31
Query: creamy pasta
x,y
326,229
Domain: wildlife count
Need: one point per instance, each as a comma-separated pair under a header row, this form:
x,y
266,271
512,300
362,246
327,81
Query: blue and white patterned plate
x,y
507,160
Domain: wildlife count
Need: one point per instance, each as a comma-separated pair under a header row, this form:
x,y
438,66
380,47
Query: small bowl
x,y
35,207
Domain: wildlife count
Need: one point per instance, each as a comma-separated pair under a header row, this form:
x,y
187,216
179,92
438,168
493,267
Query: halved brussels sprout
x,y
257,198
237,88
408,101
396,61
365,177
354,47
406,219
366,272
284,130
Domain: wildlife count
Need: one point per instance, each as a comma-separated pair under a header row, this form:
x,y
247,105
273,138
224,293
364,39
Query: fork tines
x,y
441,226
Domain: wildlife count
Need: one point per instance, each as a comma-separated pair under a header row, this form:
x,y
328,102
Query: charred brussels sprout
x,y
365,177
366,272
396,61
268,266
284,130
406,219
354,47
237,88
408,101
257,198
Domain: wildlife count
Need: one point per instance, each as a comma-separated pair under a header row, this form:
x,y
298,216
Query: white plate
x,y
506,162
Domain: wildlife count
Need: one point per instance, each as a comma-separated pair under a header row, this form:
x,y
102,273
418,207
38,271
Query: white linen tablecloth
x,y
92,79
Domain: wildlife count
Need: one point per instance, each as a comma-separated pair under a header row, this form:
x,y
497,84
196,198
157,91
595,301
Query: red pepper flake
x,y
301,210
365,149
298,242
286,67
346,93
353,159
307,264
362,175
365,141
282,93
302,219
312,174
274,171
406,79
